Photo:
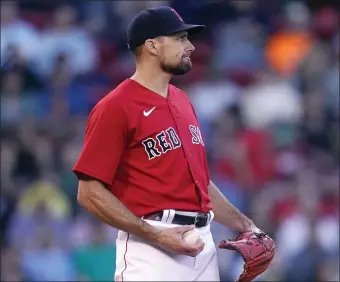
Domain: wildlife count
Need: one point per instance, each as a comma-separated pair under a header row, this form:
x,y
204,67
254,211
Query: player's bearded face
x,y
175,58
177,68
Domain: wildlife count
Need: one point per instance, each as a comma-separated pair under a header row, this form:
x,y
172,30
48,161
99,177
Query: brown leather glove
x,y
257,250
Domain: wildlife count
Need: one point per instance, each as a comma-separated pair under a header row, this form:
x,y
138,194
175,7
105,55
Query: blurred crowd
x,y
265,85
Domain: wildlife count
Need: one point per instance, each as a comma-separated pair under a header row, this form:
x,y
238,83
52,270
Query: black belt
x,y
199,220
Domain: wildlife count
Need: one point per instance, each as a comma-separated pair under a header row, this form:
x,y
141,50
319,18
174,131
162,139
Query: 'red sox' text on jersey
x,y
148,149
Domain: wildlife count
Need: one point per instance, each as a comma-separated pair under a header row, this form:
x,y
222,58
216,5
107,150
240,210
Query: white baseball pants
x,y
137,260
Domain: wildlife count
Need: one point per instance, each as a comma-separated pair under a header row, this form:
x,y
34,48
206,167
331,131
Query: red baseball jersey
x,y
148,149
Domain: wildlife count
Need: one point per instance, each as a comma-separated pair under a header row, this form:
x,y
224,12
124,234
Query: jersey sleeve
x,y
105,140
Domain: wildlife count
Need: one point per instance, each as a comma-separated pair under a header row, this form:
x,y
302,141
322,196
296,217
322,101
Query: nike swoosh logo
x,y
146,114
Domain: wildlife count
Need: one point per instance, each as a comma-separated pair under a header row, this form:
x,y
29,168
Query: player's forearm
x,y
225,212
103,204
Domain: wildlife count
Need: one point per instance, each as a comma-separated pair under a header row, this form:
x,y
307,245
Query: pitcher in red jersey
x,y
143,168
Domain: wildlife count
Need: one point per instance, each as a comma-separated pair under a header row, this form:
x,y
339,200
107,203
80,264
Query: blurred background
x,y
265,84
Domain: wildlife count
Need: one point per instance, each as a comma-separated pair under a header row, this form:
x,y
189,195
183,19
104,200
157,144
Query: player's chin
x,y
179,69
184,68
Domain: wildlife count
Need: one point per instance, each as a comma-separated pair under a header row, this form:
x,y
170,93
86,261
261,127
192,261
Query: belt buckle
x,y
201,216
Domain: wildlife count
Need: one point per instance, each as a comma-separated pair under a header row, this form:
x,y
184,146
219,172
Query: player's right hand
x,y
171,239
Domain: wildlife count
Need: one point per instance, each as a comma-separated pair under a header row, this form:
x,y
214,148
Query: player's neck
x,y
155,80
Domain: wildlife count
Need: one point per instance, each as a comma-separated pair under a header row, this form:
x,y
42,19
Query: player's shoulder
x,y
118,96
115,100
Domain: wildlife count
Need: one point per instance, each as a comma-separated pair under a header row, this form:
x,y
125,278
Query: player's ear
x,y
151,46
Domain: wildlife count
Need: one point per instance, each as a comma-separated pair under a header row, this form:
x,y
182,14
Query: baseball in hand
x,y
191,237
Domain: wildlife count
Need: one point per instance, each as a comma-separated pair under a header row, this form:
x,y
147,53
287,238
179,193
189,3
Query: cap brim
x,y
190,28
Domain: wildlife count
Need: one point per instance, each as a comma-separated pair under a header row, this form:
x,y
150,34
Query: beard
x,y
182,68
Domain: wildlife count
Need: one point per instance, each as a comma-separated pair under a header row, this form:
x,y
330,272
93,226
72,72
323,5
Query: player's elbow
x,y
89,190
80,194
84,192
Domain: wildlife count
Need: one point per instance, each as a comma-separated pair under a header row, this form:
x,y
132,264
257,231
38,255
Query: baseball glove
x,y
257,250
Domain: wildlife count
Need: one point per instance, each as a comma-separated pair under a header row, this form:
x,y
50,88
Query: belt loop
x,y
171,216
211,217
165,216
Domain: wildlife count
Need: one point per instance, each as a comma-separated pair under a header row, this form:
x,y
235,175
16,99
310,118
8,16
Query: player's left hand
x,y
257,250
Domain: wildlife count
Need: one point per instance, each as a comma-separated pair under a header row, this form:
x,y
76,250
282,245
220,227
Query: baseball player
x,y
143,168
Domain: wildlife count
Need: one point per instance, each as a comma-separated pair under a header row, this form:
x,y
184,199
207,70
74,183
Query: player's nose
x,y
191,47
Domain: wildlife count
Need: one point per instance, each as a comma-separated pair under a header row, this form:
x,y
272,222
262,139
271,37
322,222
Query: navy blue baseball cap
x,y
154,22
